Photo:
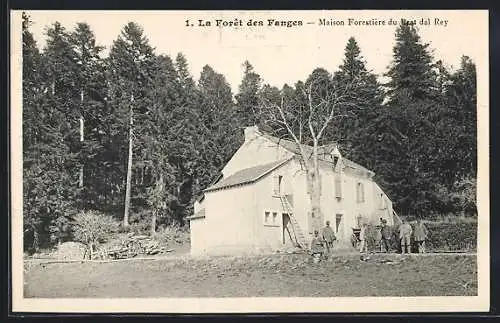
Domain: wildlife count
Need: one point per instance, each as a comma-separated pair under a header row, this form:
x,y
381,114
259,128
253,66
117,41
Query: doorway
x,y
286,233
339,224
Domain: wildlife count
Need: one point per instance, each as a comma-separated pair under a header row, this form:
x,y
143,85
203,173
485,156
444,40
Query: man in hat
x,y
405,231
317,248
363,238
328,237
386,235
420,235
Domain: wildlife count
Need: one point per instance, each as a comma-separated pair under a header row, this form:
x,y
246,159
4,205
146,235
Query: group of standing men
x,y
404,234
322,245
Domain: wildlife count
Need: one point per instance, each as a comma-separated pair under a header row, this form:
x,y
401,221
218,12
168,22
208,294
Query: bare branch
x,y
310,103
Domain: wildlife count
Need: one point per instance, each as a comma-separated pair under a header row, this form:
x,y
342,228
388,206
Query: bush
x,y
448,236
92,228
173,234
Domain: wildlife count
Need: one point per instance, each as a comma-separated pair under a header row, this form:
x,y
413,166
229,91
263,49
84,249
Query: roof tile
x,y
247,175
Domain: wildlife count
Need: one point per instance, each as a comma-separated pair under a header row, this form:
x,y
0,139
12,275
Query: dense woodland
x,y
83,111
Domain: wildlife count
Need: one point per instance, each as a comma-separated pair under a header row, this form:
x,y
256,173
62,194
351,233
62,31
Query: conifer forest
x,y
137,135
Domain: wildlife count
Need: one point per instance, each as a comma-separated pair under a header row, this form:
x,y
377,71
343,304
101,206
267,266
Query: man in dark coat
x,y
386,235
420,235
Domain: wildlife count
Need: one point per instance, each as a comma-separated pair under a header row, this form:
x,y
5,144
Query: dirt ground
x,y
273,275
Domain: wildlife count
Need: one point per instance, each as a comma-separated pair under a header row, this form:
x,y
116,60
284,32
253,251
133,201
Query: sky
x,y
280,54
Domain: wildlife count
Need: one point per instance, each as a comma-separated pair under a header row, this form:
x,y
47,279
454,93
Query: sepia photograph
x,y
250,161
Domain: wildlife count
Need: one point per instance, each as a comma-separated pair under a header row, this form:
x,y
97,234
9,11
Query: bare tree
x,y
305,121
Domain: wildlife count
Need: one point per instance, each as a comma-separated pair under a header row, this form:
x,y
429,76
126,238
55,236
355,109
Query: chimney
x,y
336,157
336,151
251,133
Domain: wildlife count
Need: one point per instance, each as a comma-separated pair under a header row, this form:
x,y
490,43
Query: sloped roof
x,y
294,148
325,149
351,164
198,215
247,175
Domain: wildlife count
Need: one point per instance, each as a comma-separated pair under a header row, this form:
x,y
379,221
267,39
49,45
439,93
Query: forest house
x,y
260,202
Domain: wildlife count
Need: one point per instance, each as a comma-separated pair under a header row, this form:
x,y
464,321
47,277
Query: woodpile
x,y
133,246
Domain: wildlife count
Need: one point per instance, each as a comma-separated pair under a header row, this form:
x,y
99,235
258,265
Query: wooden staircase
x,y
300,239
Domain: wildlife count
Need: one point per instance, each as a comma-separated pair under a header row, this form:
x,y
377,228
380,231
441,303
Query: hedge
x,y
452,236
442,237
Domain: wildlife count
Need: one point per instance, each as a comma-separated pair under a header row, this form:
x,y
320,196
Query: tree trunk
x,y
36,239
314,183
315,199
80,182
153,223
91,251
129,171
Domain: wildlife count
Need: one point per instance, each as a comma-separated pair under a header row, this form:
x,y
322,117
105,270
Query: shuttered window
x,y
338,188
382,202
360,193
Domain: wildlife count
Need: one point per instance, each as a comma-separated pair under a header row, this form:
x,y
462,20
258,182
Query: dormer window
x,y
335,161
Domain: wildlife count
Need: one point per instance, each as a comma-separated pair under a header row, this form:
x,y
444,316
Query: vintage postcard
x,y
250,161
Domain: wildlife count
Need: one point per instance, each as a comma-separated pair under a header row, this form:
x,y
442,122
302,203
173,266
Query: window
x,y
277,184
358,221
382,201
338,222
360,193
338,188
271,219
266,217
275,218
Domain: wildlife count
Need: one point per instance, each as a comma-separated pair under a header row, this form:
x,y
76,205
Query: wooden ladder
x,y
396,218
300,239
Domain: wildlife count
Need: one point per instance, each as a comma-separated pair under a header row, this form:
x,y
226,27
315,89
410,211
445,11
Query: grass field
x,y
273,275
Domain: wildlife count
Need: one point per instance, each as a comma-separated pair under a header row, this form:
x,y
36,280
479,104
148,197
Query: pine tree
x,y
90,82
217,115
131,65
49,143
247,98
455,148
353,64
158,175
411,72
32,133
462,100
406,130
351,131
182,68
